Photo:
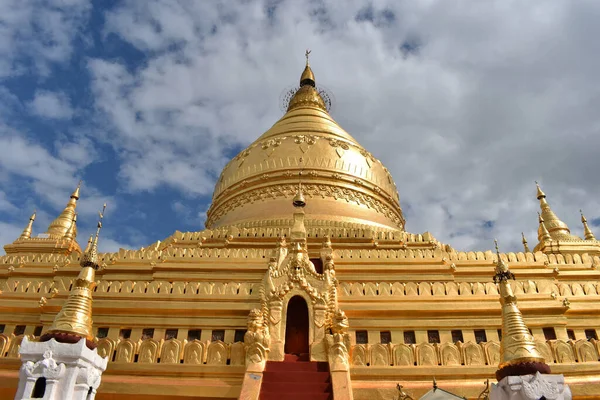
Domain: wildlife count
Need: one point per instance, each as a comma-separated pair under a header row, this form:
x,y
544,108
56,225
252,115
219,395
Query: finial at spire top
x,y
540,193
502,271
588,234
525,246
75,194
29,228
90,256
307,77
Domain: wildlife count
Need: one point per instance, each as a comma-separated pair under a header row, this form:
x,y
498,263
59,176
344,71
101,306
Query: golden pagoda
x,y
305,266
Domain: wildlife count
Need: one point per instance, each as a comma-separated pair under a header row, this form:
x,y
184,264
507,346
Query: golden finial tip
x,y
307,77
32,218
540,193
75,194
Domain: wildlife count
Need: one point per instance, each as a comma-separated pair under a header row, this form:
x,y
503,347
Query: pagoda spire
x,y
59,227
558,229
307,95
518,352
29,228
75,317
525,246
307,77
72,232
543,234
587,232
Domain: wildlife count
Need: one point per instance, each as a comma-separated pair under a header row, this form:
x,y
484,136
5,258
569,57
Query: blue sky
x,y
466,103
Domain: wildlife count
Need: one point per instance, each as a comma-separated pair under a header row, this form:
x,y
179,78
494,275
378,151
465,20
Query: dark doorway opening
x,y
39,389
318,263
296,329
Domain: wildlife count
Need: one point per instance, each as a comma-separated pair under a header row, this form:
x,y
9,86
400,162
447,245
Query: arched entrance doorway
x,y
296,327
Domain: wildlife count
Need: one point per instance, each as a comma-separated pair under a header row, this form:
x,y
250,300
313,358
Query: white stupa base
x,y
531,387
60,370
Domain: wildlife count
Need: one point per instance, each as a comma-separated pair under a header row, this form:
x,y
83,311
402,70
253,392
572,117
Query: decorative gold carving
x,y
148,351
492,352
426,354
545,351
585,351
380,355
216,353
316,190
106,347
360,355
563,352
171,352
194,352
472,354
4,343
257,338
238,353
125,351
449,354
14,347
404,355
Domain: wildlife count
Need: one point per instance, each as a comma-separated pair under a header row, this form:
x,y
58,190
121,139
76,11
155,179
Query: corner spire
x,y
543,234
525,246
558,229
59,227
518,352
72,232
74,321
587,232
28,229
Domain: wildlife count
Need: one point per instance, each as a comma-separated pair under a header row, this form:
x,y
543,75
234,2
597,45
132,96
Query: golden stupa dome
x,y
341,180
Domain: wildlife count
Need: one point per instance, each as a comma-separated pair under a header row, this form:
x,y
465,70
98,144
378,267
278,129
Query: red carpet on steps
x,y
296,378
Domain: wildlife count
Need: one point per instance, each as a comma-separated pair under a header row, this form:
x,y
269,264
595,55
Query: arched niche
x,y
317,311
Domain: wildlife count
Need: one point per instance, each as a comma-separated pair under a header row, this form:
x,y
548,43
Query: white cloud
x,y
25,158
38,32
52,178
6,204
51,105
466,104
9,233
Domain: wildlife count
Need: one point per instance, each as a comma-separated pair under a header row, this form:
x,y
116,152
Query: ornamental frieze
x,y
311,190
